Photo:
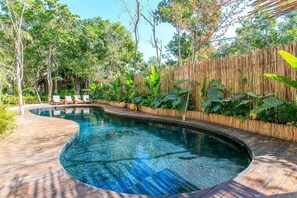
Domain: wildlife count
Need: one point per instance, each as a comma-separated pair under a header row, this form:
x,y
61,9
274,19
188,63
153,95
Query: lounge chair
x,y
77,99
86,98
68,100
57,100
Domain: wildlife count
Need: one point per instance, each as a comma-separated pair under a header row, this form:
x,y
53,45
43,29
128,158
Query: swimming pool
x,y
139,157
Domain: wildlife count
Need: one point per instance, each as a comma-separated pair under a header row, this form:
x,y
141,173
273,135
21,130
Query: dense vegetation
x,y
59,46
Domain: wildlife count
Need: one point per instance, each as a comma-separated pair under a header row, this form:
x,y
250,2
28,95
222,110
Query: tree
x,y
208,19
52,29
174,12
156,43
259,32
15,10
119,48
135,18
180,45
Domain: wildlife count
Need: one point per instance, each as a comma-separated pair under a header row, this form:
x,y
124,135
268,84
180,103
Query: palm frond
x,y
276,7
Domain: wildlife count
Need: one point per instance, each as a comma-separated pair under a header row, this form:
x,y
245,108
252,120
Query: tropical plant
x,y
175,99
131,87
292,61
6,120
152,82
115,89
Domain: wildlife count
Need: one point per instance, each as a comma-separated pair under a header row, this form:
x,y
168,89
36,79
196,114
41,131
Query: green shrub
x,y
285,113
13,99
6,121
66,92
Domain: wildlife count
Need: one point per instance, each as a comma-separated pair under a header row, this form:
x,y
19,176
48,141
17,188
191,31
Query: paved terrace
x,y
30,167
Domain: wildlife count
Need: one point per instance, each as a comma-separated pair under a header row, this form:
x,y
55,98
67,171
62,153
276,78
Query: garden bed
x,y
265,128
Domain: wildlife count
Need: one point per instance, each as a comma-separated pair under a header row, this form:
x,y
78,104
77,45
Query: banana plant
x,y
174,99
153,82
130,86
268,103
115,88
292,61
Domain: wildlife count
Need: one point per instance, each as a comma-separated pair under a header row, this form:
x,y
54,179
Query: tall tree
x,y
51,30
155,41
259,31
135,18
180,45
208,19
174,12
15,10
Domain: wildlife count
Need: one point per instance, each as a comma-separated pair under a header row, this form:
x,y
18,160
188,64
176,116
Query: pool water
x,y
135,157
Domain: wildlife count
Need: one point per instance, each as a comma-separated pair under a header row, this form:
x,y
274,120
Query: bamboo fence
x,y
240,74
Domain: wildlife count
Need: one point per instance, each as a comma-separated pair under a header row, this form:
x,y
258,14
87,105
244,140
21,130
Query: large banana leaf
x,y
268,103
292,60
282,79
154,77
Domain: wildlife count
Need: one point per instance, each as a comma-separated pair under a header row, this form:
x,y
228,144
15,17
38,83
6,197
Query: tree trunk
x,y
19,66
190,80
49,76
179,48
136,33
37,91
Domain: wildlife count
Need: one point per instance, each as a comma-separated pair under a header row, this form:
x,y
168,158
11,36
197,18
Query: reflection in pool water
x,y
134,157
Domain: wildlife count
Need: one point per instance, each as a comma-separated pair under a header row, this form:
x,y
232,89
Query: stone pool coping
x,y
30,166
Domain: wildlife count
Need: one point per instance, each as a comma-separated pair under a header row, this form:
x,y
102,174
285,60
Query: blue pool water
x,y
135,157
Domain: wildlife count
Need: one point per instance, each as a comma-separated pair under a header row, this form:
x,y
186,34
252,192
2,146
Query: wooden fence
x,y
243,73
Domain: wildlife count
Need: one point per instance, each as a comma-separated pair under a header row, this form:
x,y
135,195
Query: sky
x,y
113,11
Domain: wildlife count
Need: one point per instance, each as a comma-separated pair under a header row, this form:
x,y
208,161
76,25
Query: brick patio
x,y
30,167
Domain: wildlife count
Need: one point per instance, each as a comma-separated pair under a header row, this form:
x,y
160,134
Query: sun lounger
x,y
86,98
57,100
68,100
77,99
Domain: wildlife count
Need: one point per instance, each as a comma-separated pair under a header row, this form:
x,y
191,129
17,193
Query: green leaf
x,y
244,102
282,79
215,94
253,95
181,82
203,90
207,104
272,102
170,96
184,91
216,107
176,103
292,60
